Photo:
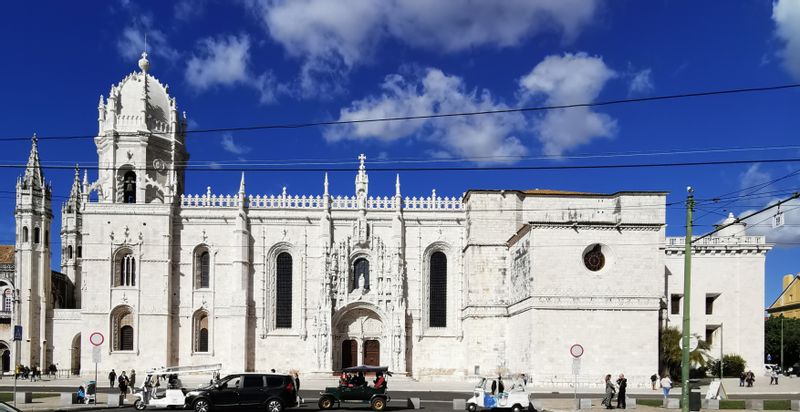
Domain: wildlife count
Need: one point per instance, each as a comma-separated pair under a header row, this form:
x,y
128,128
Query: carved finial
x,y
100,105
144,64
284,191
361,159
241,184
34,139
77,173
397,186
326,184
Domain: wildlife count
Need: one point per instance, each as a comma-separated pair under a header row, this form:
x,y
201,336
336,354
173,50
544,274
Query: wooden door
x,y
349,353
372,353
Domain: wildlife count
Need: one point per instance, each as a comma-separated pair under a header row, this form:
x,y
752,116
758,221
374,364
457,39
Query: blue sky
x,y
259,62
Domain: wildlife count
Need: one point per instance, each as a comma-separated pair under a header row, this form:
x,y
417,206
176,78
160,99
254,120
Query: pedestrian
x,y
742,378
123,384
666,385
622,384
609,393
653,380
524,380
494,387
751,377
112,377
132,379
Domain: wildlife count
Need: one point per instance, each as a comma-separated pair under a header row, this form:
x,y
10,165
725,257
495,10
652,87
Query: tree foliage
x,y
733,366
791,340
671,353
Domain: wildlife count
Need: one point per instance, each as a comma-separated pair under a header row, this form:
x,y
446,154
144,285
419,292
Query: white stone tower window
x,y
125,268
283,291
202,268
24,234
36,235
69,252
437,317
8,300
122,323
201,331
129,187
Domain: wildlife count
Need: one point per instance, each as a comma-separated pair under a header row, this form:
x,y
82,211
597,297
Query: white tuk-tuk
x,y
498,393
147,396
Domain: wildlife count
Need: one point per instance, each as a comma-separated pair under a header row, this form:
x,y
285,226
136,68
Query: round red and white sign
x,y
576,350
96,339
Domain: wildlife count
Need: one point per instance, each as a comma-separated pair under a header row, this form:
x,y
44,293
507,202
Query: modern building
x,y
432,286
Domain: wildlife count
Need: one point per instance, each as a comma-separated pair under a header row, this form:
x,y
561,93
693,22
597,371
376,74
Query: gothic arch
x,y
355,257
122,324
75,355
201,332
127,184
202,267
359,333
271,286
425,284
5,357
125,267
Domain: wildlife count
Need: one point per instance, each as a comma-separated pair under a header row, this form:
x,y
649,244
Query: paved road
x,y
400,396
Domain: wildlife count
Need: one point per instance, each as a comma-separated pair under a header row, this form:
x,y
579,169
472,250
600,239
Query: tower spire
x,y
33,171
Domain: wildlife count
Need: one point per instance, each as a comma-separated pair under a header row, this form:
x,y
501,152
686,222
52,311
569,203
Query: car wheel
x,y
325,403
472,407
274,405
516,408
378,404
202,405
139,405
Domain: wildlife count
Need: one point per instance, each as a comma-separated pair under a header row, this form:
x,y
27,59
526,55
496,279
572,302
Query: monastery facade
x,y
430,286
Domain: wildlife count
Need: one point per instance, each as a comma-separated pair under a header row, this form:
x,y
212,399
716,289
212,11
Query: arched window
x,y
202,268
122,323
36,234
125,268
24,234
8,300
360,277
283,291
69,252
438,291
129,187
201,332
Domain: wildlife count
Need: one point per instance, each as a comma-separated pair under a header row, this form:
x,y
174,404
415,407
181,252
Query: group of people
x,y
619,389
665,383
123,381
33,373
347,380
747,378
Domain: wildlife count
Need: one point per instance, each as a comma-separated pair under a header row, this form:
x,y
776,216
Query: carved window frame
x,y
197,283
201,320
122,316
451,329
270,287
124,260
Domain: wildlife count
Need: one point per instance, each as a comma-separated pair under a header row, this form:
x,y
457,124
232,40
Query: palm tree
x,y
671,352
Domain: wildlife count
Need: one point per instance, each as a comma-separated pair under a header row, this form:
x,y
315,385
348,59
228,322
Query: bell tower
x,y
140,142
71,239
33,214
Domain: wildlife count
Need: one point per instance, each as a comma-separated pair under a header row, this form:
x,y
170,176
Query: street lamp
x,y
16,342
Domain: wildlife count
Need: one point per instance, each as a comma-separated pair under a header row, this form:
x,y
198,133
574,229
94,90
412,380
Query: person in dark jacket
x,y
112,377
622,384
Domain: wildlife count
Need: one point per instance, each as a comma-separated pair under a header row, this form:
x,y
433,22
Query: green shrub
x,y
656,403
733,367
729,404
777,405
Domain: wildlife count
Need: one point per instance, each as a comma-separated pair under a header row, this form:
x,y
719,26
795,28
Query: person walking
x,y
525,380
622,384
123,384
751,377
132,379
609,393
666,385
742,377
112,377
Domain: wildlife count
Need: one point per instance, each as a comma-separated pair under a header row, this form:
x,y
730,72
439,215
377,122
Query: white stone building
x,y
430,286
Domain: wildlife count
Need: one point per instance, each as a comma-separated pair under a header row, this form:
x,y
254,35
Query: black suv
x,y
248,390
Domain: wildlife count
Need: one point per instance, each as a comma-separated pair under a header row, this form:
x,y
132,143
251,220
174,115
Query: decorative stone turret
x,y
34,214
71,239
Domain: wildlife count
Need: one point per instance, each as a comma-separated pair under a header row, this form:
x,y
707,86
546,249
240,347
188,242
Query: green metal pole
x,y
687,297
781,342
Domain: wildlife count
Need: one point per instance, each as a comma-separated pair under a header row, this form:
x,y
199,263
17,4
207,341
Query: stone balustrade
x,y
432,203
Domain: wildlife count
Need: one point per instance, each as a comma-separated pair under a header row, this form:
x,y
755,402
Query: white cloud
x,y
224,61
641,82
754,176
786,14
787,235
230,146
563,80
186,10
334,36
435,92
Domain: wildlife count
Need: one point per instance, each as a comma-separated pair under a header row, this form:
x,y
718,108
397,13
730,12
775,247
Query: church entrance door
x,y
6,357
349,353
75,364
372,352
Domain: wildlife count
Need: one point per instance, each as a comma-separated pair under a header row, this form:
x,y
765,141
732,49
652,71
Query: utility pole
x,y
781,342
687,297
721,352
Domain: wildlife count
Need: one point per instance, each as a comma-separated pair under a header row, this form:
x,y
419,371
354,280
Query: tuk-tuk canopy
x,y
368,369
